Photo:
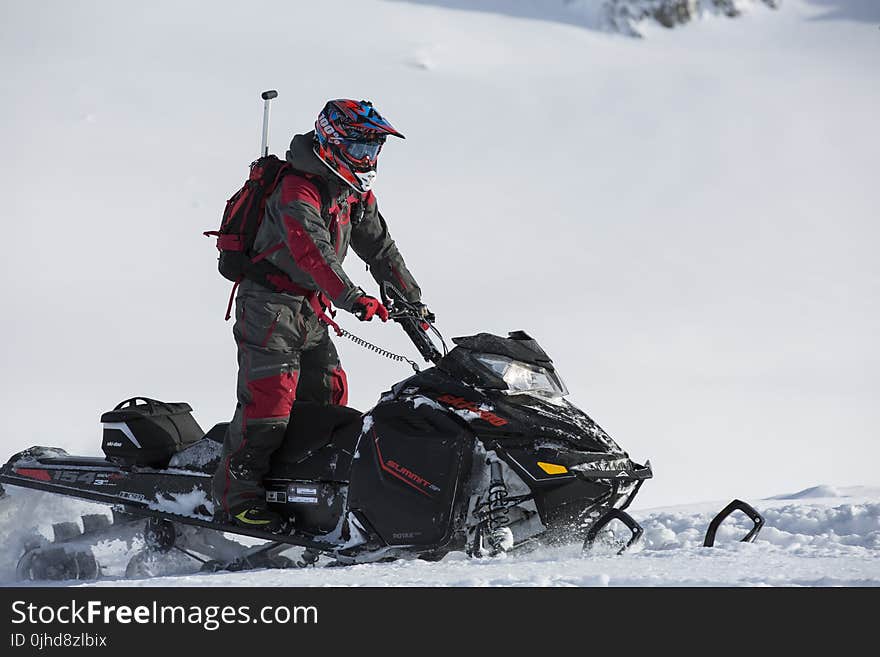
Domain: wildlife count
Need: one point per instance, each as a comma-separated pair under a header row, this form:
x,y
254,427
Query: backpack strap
x,y
322,187
319,303
232,298
319,183
285,170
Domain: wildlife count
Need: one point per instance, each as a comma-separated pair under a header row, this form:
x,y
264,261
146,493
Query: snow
x,y
815,491
810,541
685,222
421,400
184,504
196,456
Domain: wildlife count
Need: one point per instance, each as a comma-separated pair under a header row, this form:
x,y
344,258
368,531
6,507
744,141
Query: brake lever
x,y
402,311
399,315
408,310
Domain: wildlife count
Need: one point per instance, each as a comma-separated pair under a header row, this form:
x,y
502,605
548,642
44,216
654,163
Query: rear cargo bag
x,y
147,432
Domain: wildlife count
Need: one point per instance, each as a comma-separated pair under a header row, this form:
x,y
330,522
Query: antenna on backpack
x,y
267,97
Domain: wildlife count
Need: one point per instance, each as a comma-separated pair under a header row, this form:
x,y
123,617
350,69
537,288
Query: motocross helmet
x,y
348,137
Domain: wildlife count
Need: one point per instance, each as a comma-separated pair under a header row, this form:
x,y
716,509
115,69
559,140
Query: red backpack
x,y
242,218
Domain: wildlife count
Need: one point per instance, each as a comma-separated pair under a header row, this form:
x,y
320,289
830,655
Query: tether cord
x,y
379,350
318,307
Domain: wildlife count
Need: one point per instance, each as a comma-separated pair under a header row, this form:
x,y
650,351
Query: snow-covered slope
x,y
817,537
686,222
629,17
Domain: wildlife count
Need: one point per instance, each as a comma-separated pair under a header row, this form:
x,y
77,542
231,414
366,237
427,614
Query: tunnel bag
x,y
147,432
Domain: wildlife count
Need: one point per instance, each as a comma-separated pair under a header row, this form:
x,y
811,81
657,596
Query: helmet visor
x,y
362,151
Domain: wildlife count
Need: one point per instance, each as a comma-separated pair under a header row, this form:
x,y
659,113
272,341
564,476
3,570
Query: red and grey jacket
x,y
307,236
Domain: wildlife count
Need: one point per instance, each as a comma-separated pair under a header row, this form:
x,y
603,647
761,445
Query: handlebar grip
x,y
269,95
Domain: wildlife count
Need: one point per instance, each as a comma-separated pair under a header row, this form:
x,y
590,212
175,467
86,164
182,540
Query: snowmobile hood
x,y
302,156
518,346
464,363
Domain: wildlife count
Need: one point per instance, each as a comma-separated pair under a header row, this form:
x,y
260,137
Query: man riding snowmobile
x,y
480,452
319,209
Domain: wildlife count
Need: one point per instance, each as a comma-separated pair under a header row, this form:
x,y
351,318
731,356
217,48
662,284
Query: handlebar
x,y
403,312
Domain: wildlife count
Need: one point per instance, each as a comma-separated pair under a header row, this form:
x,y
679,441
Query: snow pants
x,y
284,353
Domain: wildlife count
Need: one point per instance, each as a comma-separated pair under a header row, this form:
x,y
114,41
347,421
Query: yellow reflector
x,y
552,468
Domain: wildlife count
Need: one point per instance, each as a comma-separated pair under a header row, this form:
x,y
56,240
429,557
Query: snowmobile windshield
x,y
523,378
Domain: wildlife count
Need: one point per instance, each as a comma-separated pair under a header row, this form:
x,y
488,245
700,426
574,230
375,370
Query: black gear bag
x,y
146,432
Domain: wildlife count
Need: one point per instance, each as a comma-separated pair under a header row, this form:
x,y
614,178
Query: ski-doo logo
x,y
463,404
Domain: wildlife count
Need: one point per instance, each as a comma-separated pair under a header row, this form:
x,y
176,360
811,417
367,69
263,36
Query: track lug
x,y
121,516
94,523
65,531
57,563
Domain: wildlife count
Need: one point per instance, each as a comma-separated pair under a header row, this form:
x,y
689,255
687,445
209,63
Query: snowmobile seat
x,y
77,461
319,443
312,427
204,454
217,432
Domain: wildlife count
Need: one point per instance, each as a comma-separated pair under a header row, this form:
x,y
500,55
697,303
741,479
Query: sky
x,y
686,222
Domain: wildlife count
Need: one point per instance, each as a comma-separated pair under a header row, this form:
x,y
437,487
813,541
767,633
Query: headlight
x,y
524,378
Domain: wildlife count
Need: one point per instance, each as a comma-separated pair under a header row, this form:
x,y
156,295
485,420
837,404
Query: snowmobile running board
x,y
132,508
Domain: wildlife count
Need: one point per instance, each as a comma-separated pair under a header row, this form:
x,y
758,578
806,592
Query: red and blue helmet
x,y
348,137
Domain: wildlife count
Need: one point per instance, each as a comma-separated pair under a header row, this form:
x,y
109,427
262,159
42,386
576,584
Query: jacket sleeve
x,y
308,240
371,240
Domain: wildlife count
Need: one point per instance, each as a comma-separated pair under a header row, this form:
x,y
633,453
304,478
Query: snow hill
x,y
686,222
821,536
629,17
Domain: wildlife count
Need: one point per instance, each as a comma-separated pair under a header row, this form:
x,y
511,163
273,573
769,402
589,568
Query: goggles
x,y
362,150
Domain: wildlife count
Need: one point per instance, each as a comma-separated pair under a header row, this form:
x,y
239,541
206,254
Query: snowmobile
x,y
480,453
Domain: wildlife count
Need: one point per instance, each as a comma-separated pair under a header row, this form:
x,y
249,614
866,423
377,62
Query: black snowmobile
x,y
480,453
